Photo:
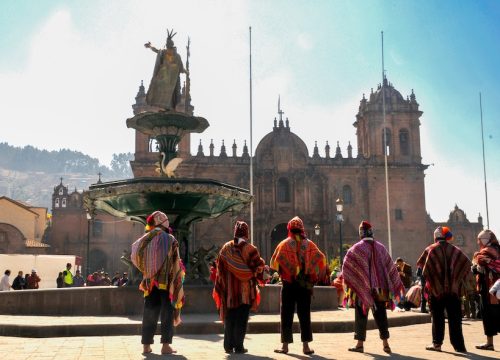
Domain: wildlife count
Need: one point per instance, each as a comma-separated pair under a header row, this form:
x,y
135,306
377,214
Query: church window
x,y
399,214
347,194
404,142
56,203
60,191
97,228
63,202
459,240
283,190
386,140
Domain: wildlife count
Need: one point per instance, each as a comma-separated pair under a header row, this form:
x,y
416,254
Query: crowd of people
x,y
65,279
369,280
447,284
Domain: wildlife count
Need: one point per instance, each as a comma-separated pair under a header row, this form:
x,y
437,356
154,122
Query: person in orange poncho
x,y
300,264
239,268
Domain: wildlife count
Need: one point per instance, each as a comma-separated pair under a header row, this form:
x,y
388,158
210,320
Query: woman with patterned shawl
x,y
156,255
300,264
486,266
372,282
445,268
239,268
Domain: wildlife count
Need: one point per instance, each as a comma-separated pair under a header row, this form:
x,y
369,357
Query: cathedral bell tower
x,y
402,126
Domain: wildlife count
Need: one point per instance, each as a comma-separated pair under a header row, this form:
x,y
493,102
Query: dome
x,y
391,94
280,149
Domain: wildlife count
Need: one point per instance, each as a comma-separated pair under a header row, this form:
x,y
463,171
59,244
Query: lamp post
x,y
89,219
317,231
340,207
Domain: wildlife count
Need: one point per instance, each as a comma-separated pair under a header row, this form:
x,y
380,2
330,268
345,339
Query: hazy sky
x,y
69,72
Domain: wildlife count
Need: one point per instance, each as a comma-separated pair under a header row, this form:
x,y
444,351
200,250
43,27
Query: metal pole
x,y
389,241
484,165
251,143
88,246
340,236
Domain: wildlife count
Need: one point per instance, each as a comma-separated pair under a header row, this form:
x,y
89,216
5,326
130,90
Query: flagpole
x,y
484,164
389,240
251,143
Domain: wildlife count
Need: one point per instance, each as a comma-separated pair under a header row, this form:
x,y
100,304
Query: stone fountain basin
x,y
184,200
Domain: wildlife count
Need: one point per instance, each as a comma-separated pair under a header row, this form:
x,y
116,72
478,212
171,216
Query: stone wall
x,y
127,301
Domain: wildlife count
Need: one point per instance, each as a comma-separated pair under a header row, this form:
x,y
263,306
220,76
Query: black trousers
x,y
491,315
453,309
291,294
235,327
157,304
361,320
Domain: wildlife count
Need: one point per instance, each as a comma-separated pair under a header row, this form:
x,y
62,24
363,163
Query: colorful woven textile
x,y
156,255
287,259
238,268
414,295
488,258
368,271
445,268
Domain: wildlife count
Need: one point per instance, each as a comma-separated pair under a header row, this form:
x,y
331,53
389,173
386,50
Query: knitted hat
x,y
365,229
159,218
487,236
296,224
241,230
442,233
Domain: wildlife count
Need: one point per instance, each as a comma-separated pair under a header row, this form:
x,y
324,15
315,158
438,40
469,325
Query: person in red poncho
x,y
300,264
486,267
156,255
372,282
445,268
239,268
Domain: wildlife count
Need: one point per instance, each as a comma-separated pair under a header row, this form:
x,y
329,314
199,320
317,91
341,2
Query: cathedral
x,y
288,181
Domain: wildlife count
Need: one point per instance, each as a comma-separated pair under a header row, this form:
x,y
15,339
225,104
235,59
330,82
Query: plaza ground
x,y
407,342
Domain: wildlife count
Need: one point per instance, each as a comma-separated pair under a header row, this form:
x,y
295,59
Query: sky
x,y
70,70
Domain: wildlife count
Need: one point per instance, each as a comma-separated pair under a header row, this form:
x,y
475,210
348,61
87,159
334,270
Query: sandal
x,y
485,347
358,349
308,352
281,351
387,349
433,348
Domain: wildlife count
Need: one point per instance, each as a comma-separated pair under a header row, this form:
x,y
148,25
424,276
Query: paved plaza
x,y
407,342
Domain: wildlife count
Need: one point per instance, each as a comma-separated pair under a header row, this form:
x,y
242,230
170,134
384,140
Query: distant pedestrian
x,y
60,280
123,280
106,280
445,268
156,255
78,280
33,280
68,276
372,282
19,282
4,282
300,265
238,270
405,272
487,269
116,279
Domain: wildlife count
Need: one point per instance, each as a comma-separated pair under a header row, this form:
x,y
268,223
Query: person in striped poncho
x,y
156,255
445,268
239,270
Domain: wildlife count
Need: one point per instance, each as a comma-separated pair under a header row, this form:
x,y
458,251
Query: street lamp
x,y
317,231
89,218
340,207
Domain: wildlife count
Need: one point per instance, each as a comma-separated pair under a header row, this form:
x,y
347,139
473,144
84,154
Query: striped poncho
x,y
445,268
288,260
238,267
488,258
156,255
368,269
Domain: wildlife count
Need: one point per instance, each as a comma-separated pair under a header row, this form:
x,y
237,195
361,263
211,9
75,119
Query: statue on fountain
x,y
164,90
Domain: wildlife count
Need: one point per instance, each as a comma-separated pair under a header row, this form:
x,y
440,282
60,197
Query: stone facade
x,y
22,227
288,181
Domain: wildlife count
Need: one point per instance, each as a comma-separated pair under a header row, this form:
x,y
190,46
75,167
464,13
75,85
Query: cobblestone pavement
x,y
407,342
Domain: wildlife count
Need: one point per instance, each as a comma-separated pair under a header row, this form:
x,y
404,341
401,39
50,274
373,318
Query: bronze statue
x,y
165,89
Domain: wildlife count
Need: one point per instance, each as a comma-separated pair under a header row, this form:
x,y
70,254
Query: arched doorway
x,y
278,233
98,260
